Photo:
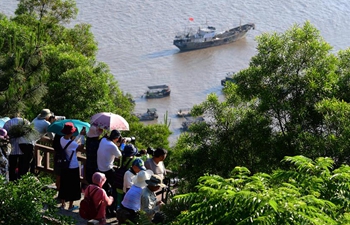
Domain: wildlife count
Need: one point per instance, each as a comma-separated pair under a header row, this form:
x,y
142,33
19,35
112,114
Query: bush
x,y
27,201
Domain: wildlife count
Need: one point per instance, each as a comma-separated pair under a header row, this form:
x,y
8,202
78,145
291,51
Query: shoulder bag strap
x,y
64,149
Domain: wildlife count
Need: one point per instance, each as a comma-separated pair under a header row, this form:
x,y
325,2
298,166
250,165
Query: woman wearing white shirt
x,y
70,177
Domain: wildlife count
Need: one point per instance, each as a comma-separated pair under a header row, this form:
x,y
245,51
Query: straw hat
x,y
44,114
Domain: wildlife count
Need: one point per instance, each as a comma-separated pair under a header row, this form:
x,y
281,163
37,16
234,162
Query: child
x,y
99,196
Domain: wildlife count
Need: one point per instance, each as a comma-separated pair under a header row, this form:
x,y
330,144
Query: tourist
x,y
126,161
41,123
99,197
131,203
137,166
149,203
22,149
70,177
156,162
107,152
92,143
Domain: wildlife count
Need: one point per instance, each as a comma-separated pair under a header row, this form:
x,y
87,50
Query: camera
x,y
130,139
60,117
123,140
127,140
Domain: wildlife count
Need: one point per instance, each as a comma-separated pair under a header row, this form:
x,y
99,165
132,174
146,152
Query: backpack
x,y
87,209
119,175
61,156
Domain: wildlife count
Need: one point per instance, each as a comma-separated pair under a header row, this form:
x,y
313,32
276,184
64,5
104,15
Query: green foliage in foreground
x,y
309,192
26,201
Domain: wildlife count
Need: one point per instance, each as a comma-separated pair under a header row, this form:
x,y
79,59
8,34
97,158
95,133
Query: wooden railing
x,y
43,149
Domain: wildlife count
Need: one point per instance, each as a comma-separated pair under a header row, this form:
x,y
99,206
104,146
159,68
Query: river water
x,y
135,40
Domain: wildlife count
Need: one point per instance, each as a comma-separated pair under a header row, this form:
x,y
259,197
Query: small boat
x,y
158,91
151,114
228,78
184,112
207,37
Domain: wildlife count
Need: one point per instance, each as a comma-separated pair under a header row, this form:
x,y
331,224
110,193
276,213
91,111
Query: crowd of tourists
x,y
122,180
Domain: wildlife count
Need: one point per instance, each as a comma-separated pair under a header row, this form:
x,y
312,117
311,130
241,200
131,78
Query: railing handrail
x,y
49,155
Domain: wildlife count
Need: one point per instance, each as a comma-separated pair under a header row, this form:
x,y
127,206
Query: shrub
x,y
27,201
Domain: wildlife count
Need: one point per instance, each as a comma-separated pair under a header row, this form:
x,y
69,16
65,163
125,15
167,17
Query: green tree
x,y
287,102
22,69
308,192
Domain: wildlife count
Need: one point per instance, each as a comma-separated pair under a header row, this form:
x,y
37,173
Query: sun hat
x,y
155,181
139,163
44,113
114,134
3,134
140,179
94,132
68,128
129,150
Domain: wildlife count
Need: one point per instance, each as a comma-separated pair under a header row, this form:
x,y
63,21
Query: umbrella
x,y
3,121
109,121
58,125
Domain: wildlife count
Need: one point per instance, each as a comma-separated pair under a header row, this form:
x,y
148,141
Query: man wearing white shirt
x,y
107,152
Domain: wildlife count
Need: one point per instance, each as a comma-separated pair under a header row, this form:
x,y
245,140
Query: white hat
x,y
140,179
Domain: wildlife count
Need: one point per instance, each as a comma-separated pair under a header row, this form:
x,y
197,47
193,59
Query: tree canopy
x,y
291,100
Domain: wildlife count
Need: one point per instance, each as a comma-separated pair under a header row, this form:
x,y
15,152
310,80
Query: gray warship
x,y
207,37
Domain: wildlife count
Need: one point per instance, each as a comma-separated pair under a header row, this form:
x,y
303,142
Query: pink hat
x,y
99,179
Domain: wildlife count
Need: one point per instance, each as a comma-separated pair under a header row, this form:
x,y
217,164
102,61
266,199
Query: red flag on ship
x,y
191,18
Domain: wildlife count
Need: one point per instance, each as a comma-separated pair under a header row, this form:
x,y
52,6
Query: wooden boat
x,y
151,114
158,91
184,112
207,37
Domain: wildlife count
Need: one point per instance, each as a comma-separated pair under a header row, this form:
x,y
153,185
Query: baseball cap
x,y
139,163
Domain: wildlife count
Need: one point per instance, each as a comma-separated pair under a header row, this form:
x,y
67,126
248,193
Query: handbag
x,y
62,161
